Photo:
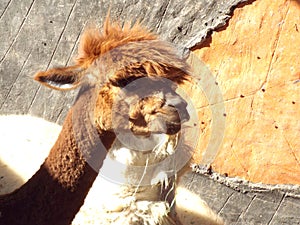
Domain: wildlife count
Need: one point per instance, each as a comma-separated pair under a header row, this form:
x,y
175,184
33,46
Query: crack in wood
x,y
163,16
276,44
61,34
53,53
14,82
277,209
18,32
72,52
5,9
225,203
34,97
246,209
189,185
292,150
247,95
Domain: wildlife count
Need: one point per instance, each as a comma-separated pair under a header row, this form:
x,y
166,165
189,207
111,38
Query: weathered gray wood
x,y
208,190
288,212
261,209
254,206
236,204
3,6
31,50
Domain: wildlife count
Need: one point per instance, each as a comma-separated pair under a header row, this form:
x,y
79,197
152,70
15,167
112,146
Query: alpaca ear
x,y
64,78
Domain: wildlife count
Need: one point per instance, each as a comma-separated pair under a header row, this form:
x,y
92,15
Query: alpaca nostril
x,y
184,116
182,111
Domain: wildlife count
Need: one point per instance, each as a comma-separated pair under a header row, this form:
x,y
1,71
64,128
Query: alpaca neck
x,y
57,190
135,174
133,190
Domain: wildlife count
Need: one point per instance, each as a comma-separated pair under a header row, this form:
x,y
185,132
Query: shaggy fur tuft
x,y
94,43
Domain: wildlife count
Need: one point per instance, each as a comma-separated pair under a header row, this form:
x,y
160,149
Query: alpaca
x,y
99,126
57,190
128,201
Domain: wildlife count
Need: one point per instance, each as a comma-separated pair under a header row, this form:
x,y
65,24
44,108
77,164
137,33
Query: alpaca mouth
x,y
161,125
168,120
173,128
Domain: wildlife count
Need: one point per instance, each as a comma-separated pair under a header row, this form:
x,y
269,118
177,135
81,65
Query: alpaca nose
x,y
183,113
180,105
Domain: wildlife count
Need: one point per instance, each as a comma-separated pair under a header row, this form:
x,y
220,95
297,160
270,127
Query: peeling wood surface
x,y
255,60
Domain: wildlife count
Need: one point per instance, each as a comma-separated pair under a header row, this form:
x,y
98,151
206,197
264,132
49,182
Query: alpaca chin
x,y
127,200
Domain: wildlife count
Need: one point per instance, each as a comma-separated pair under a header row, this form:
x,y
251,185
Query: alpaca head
x,y
134,76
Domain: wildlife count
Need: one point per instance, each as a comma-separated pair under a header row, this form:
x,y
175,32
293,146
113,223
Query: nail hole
x,y
263,90
242,96
224,114
276,127
293,102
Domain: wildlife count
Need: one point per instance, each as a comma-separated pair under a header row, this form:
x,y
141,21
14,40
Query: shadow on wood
x,y
9,179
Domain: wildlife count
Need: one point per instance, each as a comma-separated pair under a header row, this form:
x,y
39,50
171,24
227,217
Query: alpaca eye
x,y
124,82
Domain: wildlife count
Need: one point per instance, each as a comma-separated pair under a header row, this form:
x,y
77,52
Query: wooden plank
x,y
12,20
288,212
32,48
261,209
238,205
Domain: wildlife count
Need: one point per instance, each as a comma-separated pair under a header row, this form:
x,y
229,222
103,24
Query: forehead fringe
x,y
95,42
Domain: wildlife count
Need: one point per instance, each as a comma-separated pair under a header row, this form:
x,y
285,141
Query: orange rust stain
x,y
255,60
